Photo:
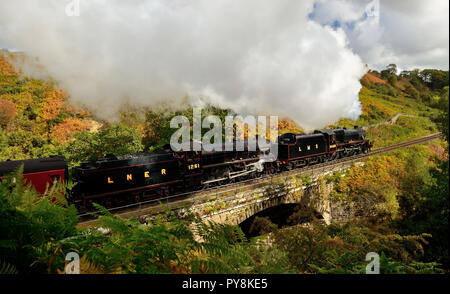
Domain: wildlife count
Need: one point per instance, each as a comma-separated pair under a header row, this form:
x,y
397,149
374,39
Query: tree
x,y
412,92
7,112
156,124
390,74
115,139
119,140
443,105
392,79
64,131
430,211
434,79
392,68
52,105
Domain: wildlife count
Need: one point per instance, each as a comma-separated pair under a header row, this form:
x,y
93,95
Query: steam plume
x,y
255,56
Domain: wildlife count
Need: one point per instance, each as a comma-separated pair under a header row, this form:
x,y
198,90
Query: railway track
x,y
145,208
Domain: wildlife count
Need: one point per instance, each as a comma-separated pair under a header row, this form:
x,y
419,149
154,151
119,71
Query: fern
x,y
7,269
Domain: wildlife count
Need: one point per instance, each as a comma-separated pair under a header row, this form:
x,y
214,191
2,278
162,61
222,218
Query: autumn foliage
x,y
53,104
373,186
5,67
36,120
7,112
371,78
289,126
64,131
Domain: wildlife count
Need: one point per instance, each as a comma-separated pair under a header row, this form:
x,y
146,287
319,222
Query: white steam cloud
x,y
254,56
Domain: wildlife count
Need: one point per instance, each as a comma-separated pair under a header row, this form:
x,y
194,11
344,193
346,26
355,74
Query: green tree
x,y
115,139
430,212
435,79
392,69
412,92
443,105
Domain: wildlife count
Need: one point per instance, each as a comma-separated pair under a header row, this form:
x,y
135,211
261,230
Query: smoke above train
x,y
258,57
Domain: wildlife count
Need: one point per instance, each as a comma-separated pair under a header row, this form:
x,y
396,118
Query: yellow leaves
x,y
378,180
370,104
53,104
371,78
7,112
6,67
64,131
76,110
289,126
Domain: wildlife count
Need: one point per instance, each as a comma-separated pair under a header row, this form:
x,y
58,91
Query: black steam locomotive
x,y
113,181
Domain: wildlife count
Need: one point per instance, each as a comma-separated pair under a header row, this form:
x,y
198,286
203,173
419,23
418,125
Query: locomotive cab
x,y
287,138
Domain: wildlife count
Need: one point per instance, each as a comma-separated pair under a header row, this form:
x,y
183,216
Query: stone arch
x,y
278,215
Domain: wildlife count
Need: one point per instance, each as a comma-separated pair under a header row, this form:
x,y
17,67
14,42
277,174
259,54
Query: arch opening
x,y
276,217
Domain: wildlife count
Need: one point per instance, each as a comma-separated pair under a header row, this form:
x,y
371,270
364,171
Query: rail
x,y
135,208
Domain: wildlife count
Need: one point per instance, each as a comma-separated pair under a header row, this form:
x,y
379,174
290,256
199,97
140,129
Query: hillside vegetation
x,y
400,198
37,120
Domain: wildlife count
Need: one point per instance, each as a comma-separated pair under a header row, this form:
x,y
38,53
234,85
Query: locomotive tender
x,y
115,181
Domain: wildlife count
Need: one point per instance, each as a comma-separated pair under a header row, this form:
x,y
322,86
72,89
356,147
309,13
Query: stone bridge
x,y
234,204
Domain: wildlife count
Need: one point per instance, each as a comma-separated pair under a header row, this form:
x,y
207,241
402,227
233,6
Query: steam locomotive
x,y
113,181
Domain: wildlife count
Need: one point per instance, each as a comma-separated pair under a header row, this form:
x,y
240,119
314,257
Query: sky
x,y
412,34
296,59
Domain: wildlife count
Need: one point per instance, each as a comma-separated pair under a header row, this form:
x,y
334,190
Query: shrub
x,y
29,222
7,112
115,139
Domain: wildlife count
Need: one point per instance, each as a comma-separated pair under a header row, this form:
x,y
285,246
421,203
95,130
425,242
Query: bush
x,y
7,112
116,139
3,140
341,248
29,222
262,226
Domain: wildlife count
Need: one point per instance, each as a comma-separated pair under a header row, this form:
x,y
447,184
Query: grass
x,y
378,107
405,128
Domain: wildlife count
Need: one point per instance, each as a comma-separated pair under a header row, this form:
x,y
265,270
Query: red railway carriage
x,y
41,173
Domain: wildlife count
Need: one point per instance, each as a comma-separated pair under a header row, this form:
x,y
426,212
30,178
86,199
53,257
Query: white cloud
x,y
255,56
327,12
413,34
